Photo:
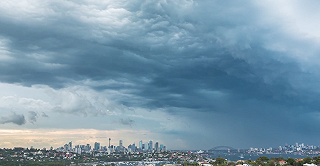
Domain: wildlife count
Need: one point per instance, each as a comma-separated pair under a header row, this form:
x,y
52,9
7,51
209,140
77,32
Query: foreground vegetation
x,y
37,157
265,161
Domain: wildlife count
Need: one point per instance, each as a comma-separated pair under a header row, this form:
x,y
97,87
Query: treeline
x,y
33,163
265,161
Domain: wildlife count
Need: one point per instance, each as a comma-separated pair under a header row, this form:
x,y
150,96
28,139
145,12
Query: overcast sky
x,y
190,74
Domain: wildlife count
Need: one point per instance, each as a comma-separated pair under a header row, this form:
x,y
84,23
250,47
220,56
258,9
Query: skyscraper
x,y
121,148
70,145
146,147
140,144
88,147
111,149
156,147
66,147
161,147
120,143
150,145
96,146
133,147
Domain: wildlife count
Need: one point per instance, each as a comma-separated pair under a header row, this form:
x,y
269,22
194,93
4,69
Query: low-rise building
x,y
282,162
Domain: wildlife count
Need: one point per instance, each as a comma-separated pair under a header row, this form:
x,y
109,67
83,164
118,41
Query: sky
x,y
189,74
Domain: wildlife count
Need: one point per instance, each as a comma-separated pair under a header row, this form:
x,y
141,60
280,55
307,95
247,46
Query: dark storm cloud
x,y
44,115
32,116
127,122
14,118
200,55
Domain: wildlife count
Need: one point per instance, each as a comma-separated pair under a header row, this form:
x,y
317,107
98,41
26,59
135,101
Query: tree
x,y
272,163
231,163
220,160
277,159
55,164
185,164
253,163
291,161
240,163
263,158
317,160
307,160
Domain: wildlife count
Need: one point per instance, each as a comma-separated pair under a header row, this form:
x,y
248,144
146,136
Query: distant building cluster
x,y
142,147
295,148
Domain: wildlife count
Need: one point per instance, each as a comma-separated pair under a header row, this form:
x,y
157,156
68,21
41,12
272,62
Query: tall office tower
x,y
111,149
133,147
104,148
109,142
96,146
120,143
161,147
88,147
146,147
70,145
121,148
156,146
66,147
140,144
150,145
78,150
164,148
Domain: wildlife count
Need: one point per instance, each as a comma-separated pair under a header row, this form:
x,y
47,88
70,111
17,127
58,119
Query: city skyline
x,y
190,74
97,146
156,146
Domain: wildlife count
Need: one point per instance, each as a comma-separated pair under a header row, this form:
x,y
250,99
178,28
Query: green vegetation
x,y
265,161
37,157
190,164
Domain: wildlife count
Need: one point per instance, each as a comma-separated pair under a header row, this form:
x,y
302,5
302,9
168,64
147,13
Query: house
x,y
204,164
282,162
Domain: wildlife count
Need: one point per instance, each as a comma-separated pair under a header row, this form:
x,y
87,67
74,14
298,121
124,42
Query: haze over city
x,y
191,74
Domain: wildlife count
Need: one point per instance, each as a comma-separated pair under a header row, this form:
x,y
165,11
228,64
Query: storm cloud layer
x,y
211,68
13,118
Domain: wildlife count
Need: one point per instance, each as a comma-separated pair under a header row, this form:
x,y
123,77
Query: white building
x,y
309,165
